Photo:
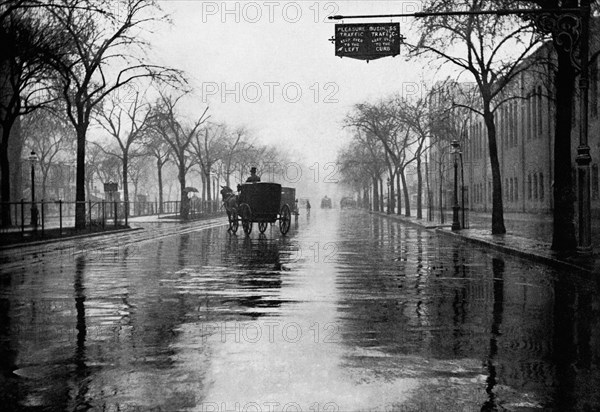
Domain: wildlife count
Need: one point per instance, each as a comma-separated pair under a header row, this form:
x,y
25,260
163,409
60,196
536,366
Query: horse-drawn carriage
x,y
257,202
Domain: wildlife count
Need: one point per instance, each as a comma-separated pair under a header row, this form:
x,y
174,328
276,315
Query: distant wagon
x,y
347,203
326,203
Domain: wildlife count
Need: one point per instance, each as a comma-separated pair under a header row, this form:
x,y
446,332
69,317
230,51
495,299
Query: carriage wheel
x,y
285,219
233,221
246,215
262,226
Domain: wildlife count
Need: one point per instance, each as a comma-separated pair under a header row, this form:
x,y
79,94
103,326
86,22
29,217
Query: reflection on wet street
x,y
348,312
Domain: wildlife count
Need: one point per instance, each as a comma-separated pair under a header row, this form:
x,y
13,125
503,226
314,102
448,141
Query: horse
x,y
230,202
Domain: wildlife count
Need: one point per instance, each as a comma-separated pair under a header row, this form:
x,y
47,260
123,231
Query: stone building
x,y
525,137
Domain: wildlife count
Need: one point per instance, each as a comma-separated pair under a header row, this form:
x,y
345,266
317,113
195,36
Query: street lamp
x,y
34,211
455,208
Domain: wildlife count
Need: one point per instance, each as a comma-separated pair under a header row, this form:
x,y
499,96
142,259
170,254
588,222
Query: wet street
x,y
348,312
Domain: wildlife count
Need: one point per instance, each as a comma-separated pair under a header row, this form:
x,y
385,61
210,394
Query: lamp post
x,y
34,211
455,208
583,158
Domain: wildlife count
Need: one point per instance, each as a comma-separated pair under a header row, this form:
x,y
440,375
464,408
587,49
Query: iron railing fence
x,y
57,214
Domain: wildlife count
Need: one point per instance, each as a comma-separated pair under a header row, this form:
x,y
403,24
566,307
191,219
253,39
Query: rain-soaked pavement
x,y
348,312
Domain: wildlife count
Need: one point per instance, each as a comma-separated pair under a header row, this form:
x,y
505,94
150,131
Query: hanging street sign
x,y
367,41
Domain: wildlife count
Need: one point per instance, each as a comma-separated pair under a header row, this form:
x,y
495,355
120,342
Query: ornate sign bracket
x,y
565,28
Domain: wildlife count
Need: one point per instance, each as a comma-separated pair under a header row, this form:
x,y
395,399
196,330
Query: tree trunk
x,y
184,208
228,175
375,194
497,206
80,179
135,190
5,171
125,184
381,202
428,190
125,180
208,187
399,194
44,180
390,195
203,186
419,188
563,236
441,200
405,191
159,166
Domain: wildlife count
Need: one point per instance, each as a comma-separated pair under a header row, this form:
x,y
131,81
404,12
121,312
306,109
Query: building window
x,y
542,189
509,125
512,189
502,127
595,182
534,110
535,186
594,88
529,187
506,190
516,189
528,120
522,122
480,140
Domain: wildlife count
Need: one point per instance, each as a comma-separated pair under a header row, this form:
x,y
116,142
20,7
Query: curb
x,y
501,248
517,252
66,238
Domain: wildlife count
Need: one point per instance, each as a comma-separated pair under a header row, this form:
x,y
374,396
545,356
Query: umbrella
x,y
190,189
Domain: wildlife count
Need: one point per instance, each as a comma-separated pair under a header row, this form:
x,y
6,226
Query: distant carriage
x,y
261,203
347,202
326,203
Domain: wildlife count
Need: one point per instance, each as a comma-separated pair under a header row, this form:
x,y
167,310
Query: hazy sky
x,y
268,65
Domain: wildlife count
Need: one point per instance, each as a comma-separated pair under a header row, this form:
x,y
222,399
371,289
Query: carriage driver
x,y
253,176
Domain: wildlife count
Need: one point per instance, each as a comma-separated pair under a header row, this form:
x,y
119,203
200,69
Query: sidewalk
x,y
528,236
159,224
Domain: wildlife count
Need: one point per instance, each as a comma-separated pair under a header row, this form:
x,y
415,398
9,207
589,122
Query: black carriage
x,y
261,203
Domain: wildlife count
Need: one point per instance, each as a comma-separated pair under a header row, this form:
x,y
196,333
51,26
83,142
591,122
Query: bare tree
x,y
233,148
566,33
138,174
158,148
50,137
103,35
480,45
361,164
126,122
382,120
178,135
105,166
207,147
28,40
417,115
